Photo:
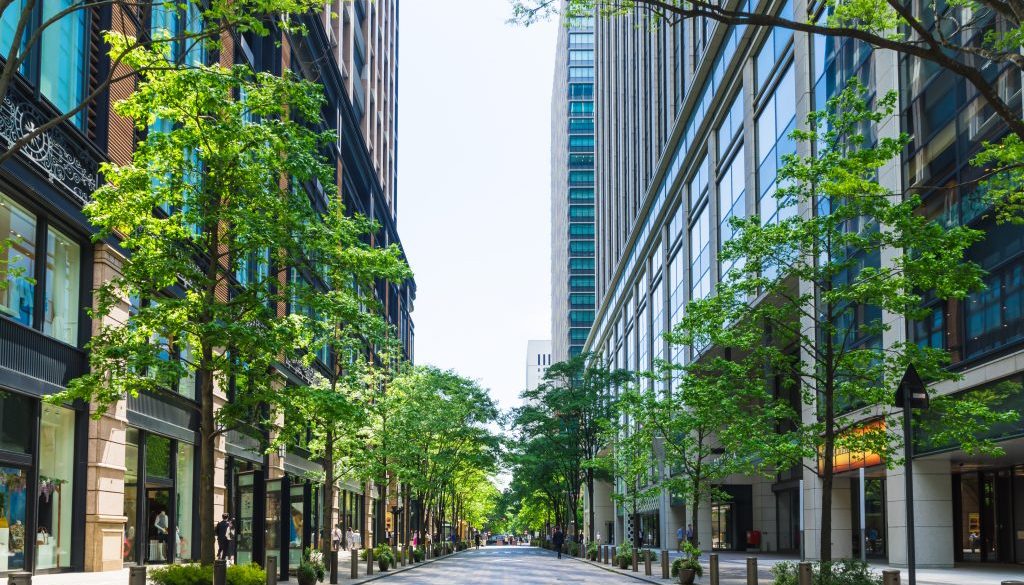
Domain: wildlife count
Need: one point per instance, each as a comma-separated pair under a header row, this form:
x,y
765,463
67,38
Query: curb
x,y
404,569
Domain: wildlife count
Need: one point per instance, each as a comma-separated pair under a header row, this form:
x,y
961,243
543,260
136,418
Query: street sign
x,y
912,385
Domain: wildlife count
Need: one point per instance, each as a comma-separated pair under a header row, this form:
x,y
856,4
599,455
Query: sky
x,y
474,100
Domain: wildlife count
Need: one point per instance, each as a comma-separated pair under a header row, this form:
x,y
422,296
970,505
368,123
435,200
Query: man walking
x,y
222,536
679,539
557,539
689,533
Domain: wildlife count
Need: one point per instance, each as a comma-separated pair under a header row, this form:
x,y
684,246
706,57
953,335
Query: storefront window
x,y
63,266
15,422
296,524
18,230
56,475
158,456
131,493
184,480
273,520
13,501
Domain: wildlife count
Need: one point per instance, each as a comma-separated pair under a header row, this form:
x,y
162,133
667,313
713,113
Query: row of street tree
x,y
793,358
239,261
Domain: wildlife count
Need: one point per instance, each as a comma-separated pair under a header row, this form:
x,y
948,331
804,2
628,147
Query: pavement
x,y
524,565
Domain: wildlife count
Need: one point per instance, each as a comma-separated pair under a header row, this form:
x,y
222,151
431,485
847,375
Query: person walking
x,y
557,539
476,539
221,532
349,539
689,533
679,539
336,538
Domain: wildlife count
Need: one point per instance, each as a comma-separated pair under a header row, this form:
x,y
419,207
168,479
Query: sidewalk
x,y
733,570
121,577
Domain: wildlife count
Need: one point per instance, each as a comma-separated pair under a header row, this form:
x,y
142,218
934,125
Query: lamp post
x,y
910,395
395,511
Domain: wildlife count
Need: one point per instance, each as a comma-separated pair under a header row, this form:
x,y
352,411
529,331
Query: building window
x,y
581,212
581,283
774,125
581,300
581,143
774,48
581,264
16,416
581,91
581,248
63,267
581,125
18,229
581,177
581,194
581,230
581,57
731,203
185,484
731,129
581,108
63,46
581,161
56,487
700,255
581,74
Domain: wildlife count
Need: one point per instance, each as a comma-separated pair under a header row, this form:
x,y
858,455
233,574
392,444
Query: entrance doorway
x,y
986,505
874,537
158,524
722,519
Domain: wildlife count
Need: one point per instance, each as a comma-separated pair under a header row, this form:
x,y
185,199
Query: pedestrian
x,y
679,539
689,533
557,539
336,538
357,540
416,539
349,539
476,539
221,532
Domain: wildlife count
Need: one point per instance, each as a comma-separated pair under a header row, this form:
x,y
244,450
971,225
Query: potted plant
x,y
688,566
592,551
385,558
623,555
311,568
418,553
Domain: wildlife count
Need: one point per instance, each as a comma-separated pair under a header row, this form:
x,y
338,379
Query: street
x,y
521,565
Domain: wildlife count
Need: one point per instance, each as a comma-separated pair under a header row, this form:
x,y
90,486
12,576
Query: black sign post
x,y
910,395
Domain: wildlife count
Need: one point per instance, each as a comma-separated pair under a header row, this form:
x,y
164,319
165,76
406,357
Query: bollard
x,y
20,578
636,557
751,570
137,575
220,572
334,567
891,577
395,558
369,561
713,568
805,576
665,572
647,562
271,568
354,561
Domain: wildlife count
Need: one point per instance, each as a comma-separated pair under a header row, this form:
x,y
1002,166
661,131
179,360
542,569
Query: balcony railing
x,y
25,352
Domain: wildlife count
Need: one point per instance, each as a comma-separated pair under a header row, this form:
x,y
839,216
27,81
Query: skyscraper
x,y
538,358
572,188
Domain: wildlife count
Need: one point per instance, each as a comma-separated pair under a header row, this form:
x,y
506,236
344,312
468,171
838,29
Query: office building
x,y
82,494
692,124
538,358
572,189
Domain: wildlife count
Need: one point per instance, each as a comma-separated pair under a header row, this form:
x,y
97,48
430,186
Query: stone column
x,y
933,515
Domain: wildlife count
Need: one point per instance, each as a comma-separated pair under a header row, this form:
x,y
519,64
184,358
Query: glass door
x,y
245,518
272,532
296,525
721,526
158,524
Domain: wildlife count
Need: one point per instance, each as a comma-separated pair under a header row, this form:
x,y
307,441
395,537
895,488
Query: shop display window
x,y
56,484
13,503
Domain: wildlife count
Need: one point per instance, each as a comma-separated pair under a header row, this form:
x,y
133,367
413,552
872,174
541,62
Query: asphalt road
x,y
519,565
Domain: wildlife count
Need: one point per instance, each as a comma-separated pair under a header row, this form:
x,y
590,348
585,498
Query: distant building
x,y
538,358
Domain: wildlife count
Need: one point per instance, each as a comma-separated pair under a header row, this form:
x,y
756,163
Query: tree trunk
x,y
827,474
590,502
695,522
328,518
207,434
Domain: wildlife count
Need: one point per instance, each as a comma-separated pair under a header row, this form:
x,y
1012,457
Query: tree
x,y
979,41
576,397
845,254
206,23
717,420
220,234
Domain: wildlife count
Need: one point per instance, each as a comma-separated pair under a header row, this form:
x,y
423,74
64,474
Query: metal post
x,y
137,575
805,575
713,568
890,577
334,567
647,562
665,573
636,557
20,578
271,569
354,562
369,561
908,469
863,518
751,570
220,572
395,558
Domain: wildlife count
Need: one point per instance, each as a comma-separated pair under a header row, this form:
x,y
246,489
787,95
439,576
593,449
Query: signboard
x,y
845,460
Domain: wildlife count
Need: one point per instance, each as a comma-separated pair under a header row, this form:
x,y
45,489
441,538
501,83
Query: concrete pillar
x,y
933,515
842,526
703,512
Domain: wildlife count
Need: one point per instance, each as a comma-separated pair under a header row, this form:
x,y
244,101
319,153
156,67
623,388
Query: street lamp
x,y
910,395
395,511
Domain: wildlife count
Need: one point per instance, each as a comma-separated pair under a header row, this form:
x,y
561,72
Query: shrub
x,y
418,554
383,551
844,572
592,551
311,567
251,574
193,574
688,563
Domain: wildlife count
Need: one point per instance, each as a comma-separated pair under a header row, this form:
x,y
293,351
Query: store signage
x,y
845,460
